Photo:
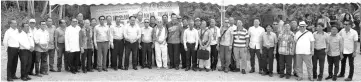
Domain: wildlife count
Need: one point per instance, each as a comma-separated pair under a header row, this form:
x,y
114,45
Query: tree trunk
x,y
44,9
61,12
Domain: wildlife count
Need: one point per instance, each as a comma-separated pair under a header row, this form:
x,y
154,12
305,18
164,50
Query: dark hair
x,y
185,18
173,14
101,17
322,25
349,19
93,19
152,17
42,21
22,25
61,22
132,17
165,15
307,15
109,16
117,17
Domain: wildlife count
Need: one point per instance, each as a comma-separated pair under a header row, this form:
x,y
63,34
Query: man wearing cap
x,y
304,50
174,31
255,45
51,29
32,24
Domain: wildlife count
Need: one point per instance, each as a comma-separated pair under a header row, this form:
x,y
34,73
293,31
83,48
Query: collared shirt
x,y
303,44
286,43
87,37
240,38
215,35
226,37
255,37
335,43
174,32
147,34
205,37
11,38
320,40
26,40
190,36
72,38
41,38
102,33
51,31
161,35
349,39
117,32
269,40
182,33
60,34
132,32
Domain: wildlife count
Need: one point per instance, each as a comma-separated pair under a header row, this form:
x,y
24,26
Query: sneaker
x,y
52,70
251,71
243,71
340,76
207,70
24,79
270,75
221,69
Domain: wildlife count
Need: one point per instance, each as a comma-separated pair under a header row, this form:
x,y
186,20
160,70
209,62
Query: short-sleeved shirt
x,y
269,40
334,45
174,31
117,32
87,35
255,36
303,44
349,39
51,31
239,38
215,35
320,40
226,35
204,36
147,34
286,43
102,33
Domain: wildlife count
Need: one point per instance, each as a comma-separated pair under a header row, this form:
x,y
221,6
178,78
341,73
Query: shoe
x,y
260,72
299,78
176,68
99,70
187,69
31,73
15,77
270,75
115,69
52,70
221,69
135,68
126,68
59,70
207,70
252,71
295,74
310,78
84,71
282,75
319,79
121,67
348,79
28,78
334,78
24,79
91,70
10,79
288,76
243,71
44,73
237,70
328,77
194,69
73,72
38,75
158,68
213,69
226,70
340,76
200,69
142,67
105,69
150,67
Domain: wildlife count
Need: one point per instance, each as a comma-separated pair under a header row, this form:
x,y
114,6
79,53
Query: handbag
x,y
203,54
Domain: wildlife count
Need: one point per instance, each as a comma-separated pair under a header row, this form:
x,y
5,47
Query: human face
x,y
132,21
117,20
152,20
239,23
174,17
94,22
287,27
109,19
49,22
269,29
102,20
80,16
334,31
13,24
347,25
191,23
26,27
197,22
74,22
275,24
63,24
319,28
256,22
185,22
87,23
165,18
226,22
231,21
42,25
32,24
146,22
204,24
213,23
302,28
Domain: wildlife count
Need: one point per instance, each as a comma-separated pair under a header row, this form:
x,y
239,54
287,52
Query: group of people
x,y
187,43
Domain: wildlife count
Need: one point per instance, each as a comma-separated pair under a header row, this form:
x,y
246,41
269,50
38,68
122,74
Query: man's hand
x,y
274,51
260,51
312,52
217,47
140,47
354,54
112,46
341,57
196,47
230,47
82,50
152,45
185,48
96,47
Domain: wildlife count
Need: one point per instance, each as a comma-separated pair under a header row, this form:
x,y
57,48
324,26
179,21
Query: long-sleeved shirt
x,y
86,34
102,33
51,31
349,39
117,32
26,40
11,38
160,35
132,33
190,36
41,39
320,40
255,37
72,39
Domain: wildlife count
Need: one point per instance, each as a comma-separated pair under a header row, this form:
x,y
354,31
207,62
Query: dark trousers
x,y
267,59
277,55
32,63
109,55
73,60
95,57
25,59
320,57
44,63
285,63
333,61
131,47
191,55
183,55
173,54
51,53
86,59
350,63
117,54
214,56
38,63
147,54
60,53
140,55
253,53
12,63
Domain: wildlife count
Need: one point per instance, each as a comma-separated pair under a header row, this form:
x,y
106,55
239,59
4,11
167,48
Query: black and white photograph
x,y
180,40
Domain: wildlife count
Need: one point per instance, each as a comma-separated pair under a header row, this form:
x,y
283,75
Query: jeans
x,y
60,53
333,61
320,57
214,56
44,62
267,59
253,53
173,52
350,63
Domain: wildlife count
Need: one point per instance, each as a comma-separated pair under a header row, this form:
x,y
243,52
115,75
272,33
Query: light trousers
x,y
161,54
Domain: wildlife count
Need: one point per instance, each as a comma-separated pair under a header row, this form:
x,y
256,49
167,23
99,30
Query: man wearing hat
x,y
304,50
32,24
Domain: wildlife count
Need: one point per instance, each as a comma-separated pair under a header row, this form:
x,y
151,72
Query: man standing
x,y
41,38
160,44
190,42
132,33
182,49
225,46
320,51
335,48
93,24
72,44
304,50
117,44
174,30
11,44
26,43
269,43
51,29
214,41
255,45
240,38
102,38
32,29
86,33
204,44
109,24
60,46
146,38
286,50
349,50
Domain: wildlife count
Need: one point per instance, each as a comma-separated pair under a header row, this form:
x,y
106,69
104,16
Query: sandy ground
x,y
166,75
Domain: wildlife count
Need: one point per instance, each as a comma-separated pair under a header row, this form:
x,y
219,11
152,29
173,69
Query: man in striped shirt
x,y
240,41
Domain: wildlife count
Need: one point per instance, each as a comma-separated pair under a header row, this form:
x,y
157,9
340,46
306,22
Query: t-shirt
x,y
303,44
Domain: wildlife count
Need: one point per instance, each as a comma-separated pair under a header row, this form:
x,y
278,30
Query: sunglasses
x,y
275,24
102,19
226,22
146,22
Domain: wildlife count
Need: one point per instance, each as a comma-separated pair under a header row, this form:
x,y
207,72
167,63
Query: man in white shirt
x,y
214,41
26,42
255,44
32,24
72,44
349,36
11,44
304,51
190,42
109,24
117,44
41,37
146,38
160,44
101,42
51,29
132,33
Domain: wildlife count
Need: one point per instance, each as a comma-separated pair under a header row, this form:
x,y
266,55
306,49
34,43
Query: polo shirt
x,y
102,33
51,31
25,41
117,32
190,36
132,32
60,34
303,44
147,34
269,40
335,43
41,37
240,38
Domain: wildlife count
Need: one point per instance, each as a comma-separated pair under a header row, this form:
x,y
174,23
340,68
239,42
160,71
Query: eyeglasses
x,y
275,24
146,22
226,22
102,19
